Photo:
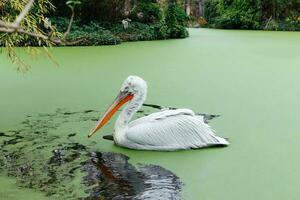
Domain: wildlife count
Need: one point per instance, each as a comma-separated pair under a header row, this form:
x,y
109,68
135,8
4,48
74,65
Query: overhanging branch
x,y
14,27
24,12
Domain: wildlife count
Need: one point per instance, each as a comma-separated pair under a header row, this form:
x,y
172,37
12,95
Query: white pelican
x,y
165,130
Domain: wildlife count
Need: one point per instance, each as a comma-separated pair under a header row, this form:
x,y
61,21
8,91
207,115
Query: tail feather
x,y
207,117
222,141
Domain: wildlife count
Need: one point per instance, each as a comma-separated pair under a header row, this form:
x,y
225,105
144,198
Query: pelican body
x,y
166,130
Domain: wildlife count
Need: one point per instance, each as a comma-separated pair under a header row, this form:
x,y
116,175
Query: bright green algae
x,y
9,191
250,78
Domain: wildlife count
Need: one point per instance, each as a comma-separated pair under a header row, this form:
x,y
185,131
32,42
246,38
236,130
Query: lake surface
x,y
250,78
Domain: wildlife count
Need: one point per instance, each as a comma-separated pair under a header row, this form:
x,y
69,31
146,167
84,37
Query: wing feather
x,y
172,129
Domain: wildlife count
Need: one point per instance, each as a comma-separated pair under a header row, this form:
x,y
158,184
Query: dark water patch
x,y
8,142
26,170
71,135
39,147
108,137
4,135
88,111
58,157
76,146
43,155
111,176
16,138
67,153
69,113
72,170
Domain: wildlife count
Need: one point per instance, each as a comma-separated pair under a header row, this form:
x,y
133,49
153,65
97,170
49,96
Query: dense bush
x,y
93,34
176,20
253,14
136,31
140,31
106,33
88,34
161,30
146,11
236,14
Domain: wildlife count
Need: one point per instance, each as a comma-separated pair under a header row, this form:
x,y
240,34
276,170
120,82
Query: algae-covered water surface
x,y
250,78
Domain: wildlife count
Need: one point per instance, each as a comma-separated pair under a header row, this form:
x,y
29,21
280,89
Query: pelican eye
x,y
126,89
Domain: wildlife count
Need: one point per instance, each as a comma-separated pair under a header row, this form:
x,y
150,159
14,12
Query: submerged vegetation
x,y
44,154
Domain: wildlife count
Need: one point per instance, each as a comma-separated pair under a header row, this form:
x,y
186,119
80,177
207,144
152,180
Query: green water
x,y
9,191
250,78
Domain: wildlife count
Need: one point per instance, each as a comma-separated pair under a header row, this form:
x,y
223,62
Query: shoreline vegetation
x,y
106,22
97,33
274,15
112,22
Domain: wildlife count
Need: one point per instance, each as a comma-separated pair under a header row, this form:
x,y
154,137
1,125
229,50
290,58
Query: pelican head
x,y
133,90
134,85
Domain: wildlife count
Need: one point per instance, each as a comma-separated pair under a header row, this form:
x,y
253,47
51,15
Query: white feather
x,y
171,130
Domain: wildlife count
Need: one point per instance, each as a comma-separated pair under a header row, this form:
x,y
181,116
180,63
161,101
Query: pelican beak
x,y
122,98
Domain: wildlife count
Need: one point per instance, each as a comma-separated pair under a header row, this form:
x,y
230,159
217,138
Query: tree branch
x,y
70,23
2,23
22,15
14,27
32,29
54,40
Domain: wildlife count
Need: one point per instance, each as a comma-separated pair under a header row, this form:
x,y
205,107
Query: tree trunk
x,y
201,8
188,7
127,7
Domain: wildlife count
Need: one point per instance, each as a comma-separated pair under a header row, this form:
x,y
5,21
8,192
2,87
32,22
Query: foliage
x,y
237,14
33,22
139,31
111,11
176,20
61,23
25,24
146,11
92,10
95,33
161,30
253,14
151,26
136,31
90,34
